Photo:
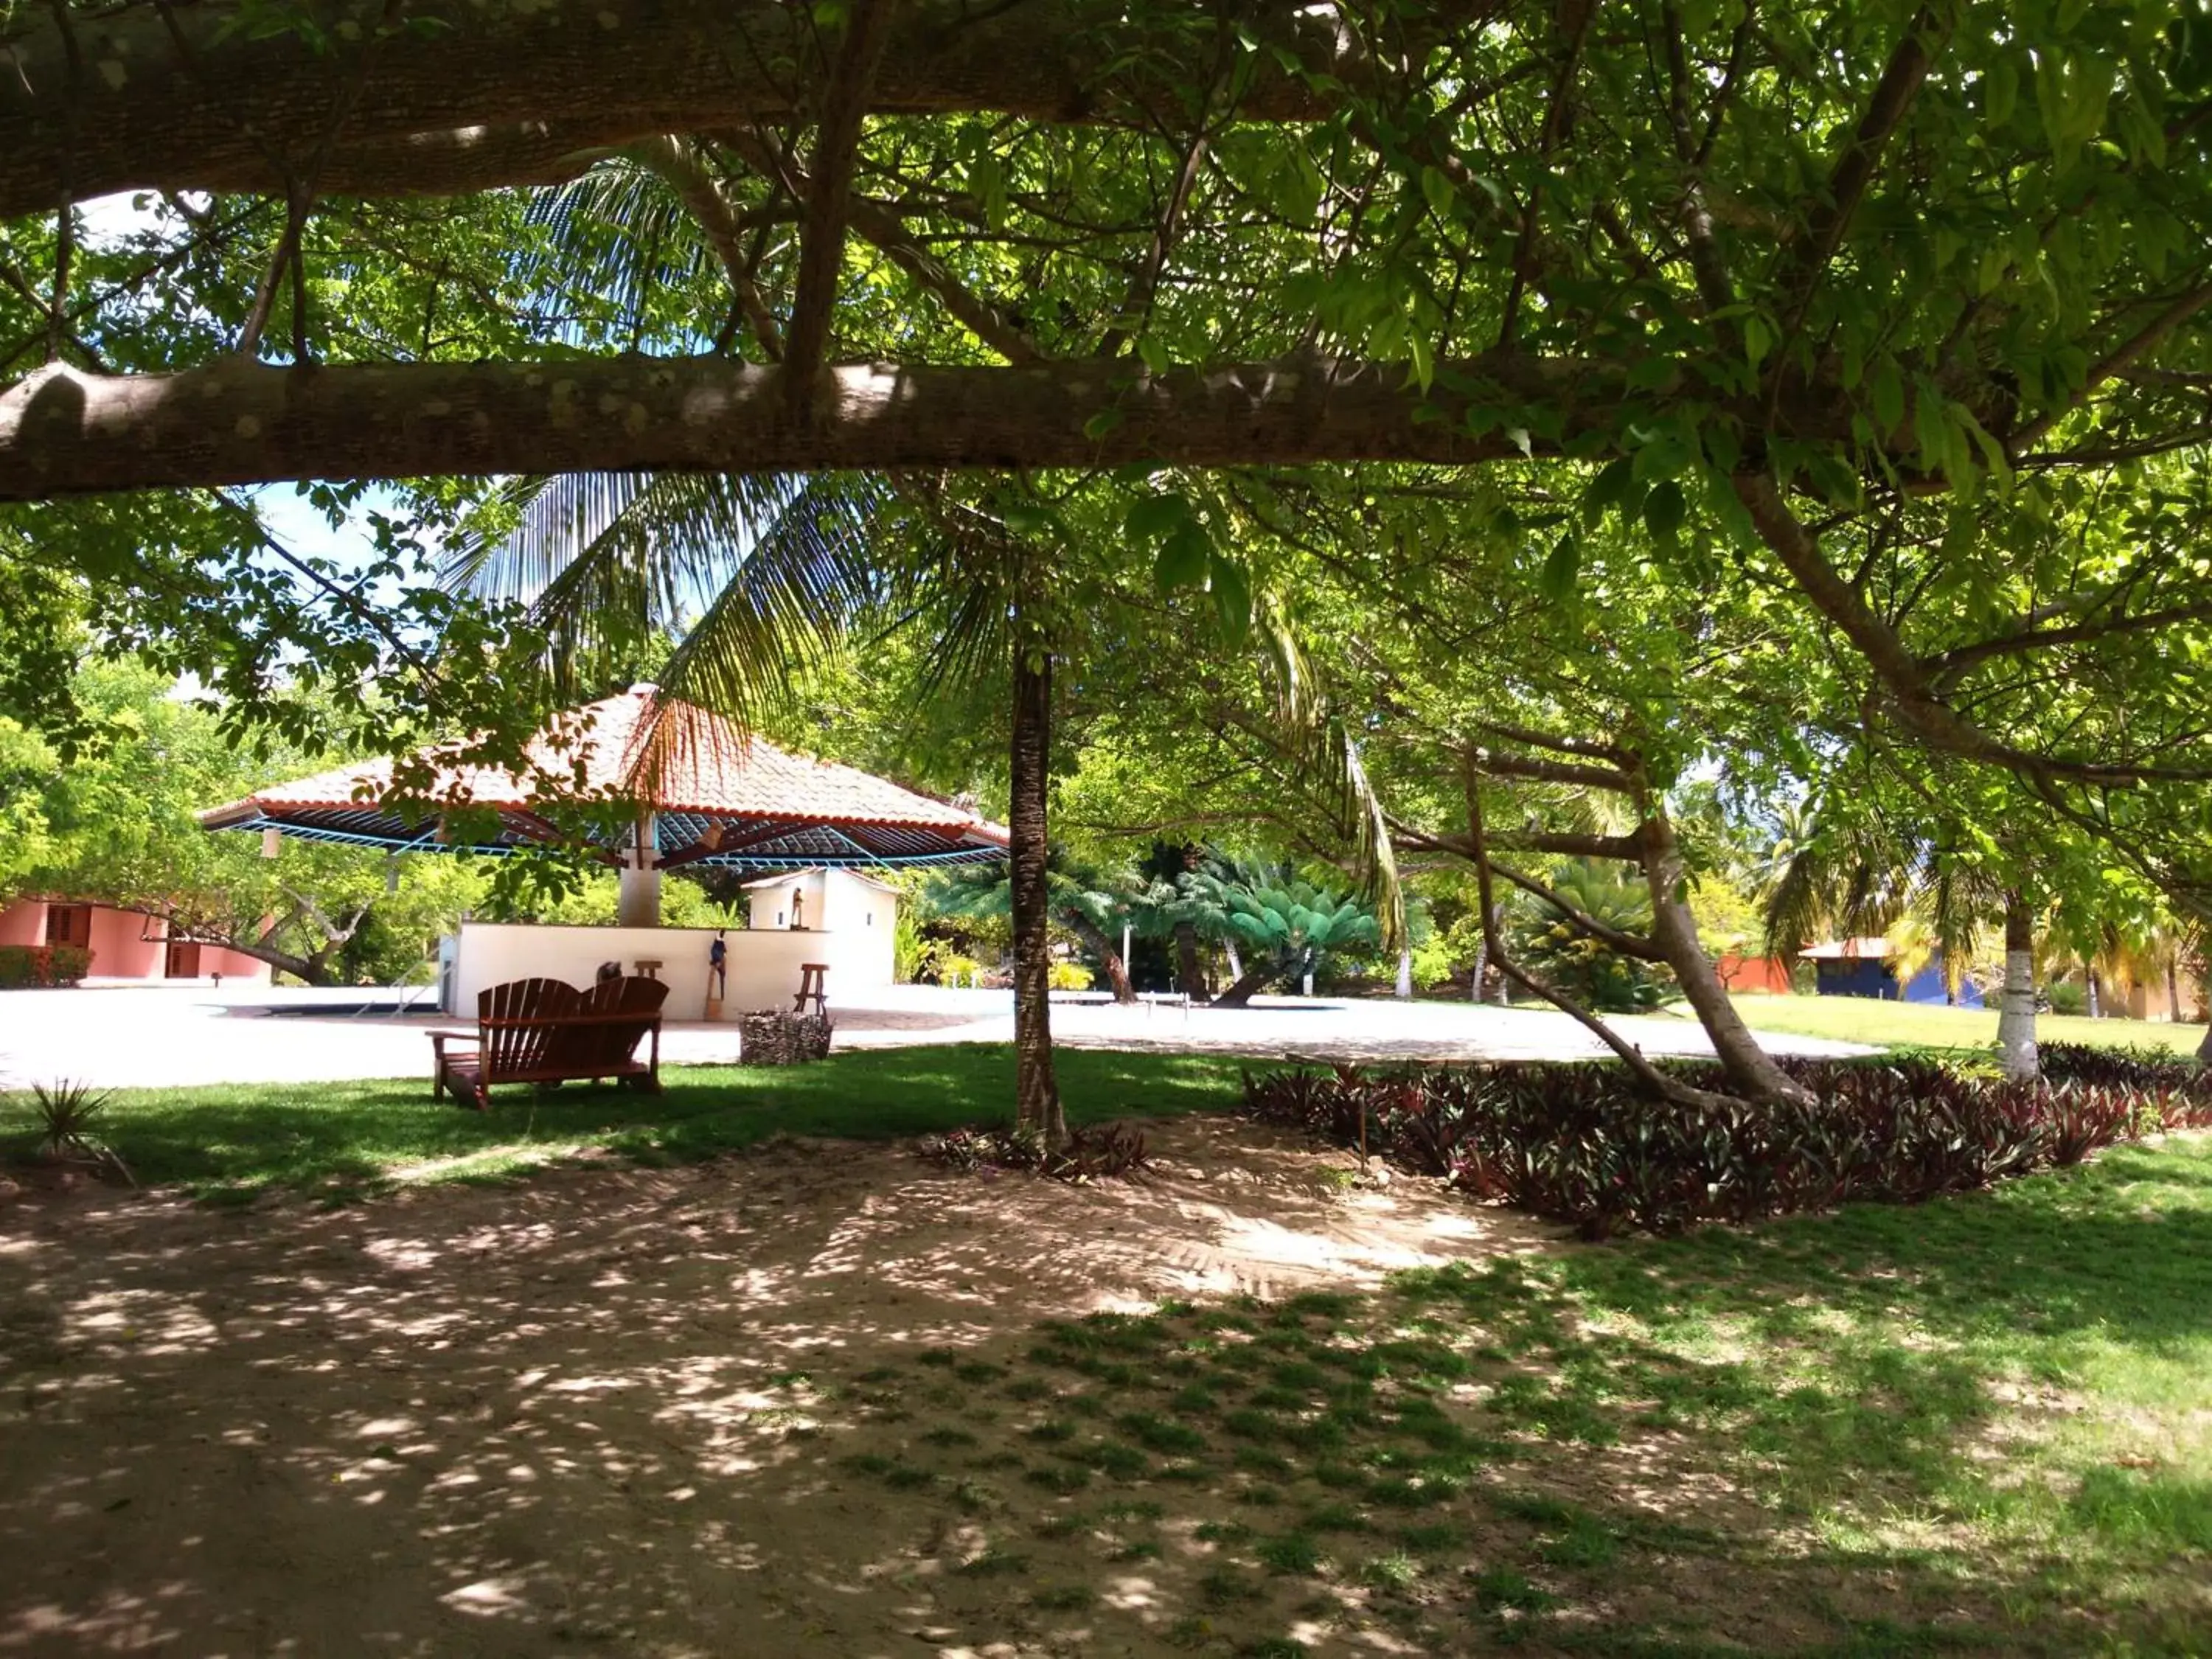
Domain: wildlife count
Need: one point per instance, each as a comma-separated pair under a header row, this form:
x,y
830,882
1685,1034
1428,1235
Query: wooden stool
x,y
646,969
810,985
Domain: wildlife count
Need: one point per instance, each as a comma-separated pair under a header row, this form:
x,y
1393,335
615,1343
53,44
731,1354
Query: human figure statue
x,y
718,965
798,911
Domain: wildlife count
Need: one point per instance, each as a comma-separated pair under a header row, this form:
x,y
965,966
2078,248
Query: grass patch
x,y
1980,1425
1918,1026
234,1142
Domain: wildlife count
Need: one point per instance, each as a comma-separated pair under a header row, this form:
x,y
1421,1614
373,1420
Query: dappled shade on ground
x,y
826,1400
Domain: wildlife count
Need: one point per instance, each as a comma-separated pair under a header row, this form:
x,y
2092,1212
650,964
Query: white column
x,y
638,904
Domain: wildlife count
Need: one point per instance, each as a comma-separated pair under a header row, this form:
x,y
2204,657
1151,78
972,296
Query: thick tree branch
x,y
63,432
472,96
1528,738
1902,77
1542,771
1648,1075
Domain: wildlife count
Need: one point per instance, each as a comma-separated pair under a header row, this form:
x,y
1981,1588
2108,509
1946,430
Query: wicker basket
x,y
774,1036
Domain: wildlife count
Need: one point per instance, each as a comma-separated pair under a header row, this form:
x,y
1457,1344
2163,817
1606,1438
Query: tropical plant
x,y
1287,923
1546,939
1092,905
67,1120
1848,868
914,955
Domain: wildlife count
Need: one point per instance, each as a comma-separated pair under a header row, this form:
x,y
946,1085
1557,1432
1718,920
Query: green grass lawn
x,y
232,1142
1980,1425
1903,1024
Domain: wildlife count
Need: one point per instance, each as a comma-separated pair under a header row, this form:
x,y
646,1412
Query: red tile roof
x,y
639,745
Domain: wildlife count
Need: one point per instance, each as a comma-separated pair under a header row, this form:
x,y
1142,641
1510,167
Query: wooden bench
x,y
546,1031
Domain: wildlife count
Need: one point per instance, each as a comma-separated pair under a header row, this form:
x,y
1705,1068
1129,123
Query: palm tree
x,y
1089,903
789,571
1852,874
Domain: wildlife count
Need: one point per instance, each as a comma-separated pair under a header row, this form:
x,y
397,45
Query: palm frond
x,y
619,231
789,606
1325,760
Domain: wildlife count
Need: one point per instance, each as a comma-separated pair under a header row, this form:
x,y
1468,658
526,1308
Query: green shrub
x,y
27,965
1579,1143
1069,976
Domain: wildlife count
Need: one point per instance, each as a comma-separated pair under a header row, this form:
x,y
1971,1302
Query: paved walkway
x,y
169,1035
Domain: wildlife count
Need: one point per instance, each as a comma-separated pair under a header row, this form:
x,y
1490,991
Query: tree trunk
x,y
1481,967
1239,994
1037,1095
232,422
1750,1070
1404,988
2173,990
1118,971
2089,981
1187,963
2016,1012
1236,968
2204,1049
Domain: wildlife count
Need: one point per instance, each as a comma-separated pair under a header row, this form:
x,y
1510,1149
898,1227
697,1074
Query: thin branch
x,y
2176,313
1949,664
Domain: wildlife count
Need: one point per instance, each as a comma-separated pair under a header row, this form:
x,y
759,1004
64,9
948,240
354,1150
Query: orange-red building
x,y
125,945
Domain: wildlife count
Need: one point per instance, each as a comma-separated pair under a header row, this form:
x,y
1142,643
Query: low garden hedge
x,y
27,965
1579,1143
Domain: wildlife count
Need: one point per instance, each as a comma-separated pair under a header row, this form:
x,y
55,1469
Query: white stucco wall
x,y
764,963
860,914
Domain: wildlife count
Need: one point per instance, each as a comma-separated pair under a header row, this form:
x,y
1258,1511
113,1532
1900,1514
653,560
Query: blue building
x,y
1860,967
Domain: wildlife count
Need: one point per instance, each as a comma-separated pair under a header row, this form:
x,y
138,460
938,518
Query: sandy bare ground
x,y
557,1417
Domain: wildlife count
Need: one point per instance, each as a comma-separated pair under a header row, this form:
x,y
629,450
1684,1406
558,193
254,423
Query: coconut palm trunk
x,y
2016,1012
1037,1095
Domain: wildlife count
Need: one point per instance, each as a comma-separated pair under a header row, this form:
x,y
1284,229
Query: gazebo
x,y
692,791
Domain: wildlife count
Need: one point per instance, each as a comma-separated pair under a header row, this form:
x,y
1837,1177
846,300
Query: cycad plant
x,y
1286,924
1092,905
1568,957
